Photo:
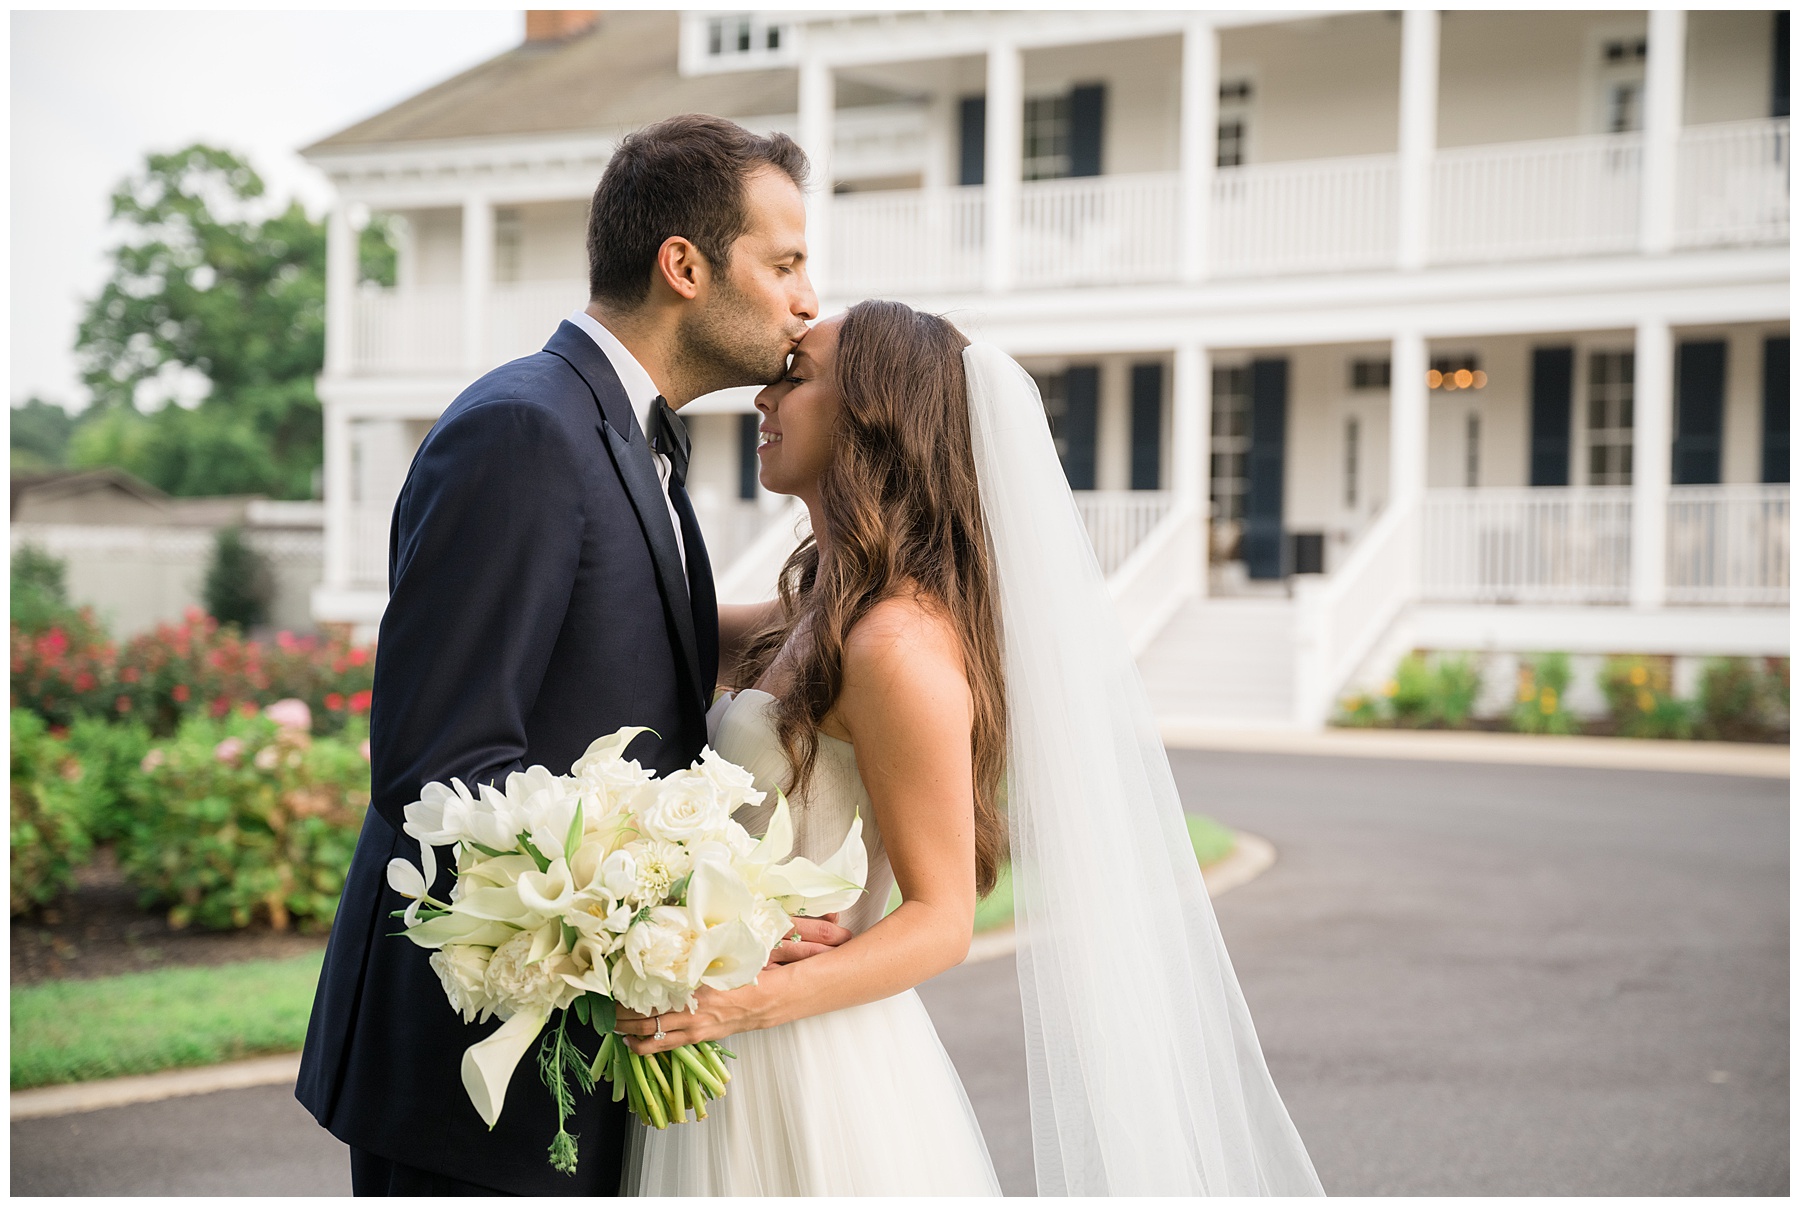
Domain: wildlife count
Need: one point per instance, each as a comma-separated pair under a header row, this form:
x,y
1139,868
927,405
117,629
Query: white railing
x,y
1731,184
907,241
1098,230
1339,619
411,331
1327,215
522,315
1555,197
1537,544
752,575
1119,520
1728,544
1158,576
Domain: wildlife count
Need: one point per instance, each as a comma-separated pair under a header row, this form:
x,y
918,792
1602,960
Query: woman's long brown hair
x,y
902,515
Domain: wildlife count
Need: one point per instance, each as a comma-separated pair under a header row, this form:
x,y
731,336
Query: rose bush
x,y
49,840
242,819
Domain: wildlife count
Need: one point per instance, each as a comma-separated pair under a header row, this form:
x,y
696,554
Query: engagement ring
x,y
659,1030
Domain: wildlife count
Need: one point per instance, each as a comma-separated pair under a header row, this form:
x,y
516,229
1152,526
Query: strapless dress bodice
x,y
741,728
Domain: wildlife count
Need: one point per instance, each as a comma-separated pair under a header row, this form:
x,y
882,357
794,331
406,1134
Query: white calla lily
x,y
487,1067
460,928
550,891
727,956
808,888
607,749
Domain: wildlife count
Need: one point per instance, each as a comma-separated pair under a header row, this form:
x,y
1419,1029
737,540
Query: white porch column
x,y
1005,152
818,110
1409,411
477,280
1199,144
340,291
1664,70
1190,439
1652,430
339,529
1418,133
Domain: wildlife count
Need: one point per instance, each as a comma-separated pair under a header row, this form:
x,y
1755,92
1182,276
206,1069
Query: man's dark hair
x,y
682,176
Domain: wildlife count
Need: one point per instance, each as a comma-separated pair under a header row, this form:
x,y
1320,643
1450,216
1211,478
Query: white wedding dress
x,y
862,1101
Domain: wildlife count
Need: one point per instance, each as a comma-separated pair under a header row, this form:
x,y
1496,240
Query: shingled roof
x,y
619,73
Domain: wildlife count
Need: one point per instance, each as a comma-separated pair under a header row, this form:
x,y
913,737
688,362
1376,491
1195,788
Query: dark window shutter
x,y
1775,410
1146,425
1080,423
1552,381
1263,545
1778,75
1087,122
1699,412
972,113
748,466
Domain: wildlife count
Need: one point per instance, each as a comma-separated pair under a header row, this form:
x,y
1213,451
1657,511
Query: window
x,y
1047,152
1230,440
1621,78
743,35
1609,418
1234,123
1054,389
1472,452
749,467
509,240
1372,374
1352,434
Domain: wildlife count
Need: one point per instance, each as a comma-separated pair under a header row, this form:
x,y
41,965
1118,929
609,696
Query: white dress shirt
x,y
642,393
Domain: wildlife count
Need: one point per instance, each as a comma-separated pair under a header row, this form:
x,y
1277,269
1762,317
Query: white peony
x,y
463,970
658,947
687,807
544,806
519,985
771,923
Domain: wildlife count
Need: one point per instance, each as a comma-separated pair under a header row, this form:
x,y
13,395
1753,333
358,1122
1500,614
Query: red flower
x,y
358,656
180,693
338,666
84,682
123,704
334,701
129,675
248,708
361,700
220,707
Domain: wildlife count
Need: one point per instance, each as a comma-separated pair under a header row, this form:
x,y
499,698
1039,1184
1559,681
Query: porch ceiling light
x,y
1458,379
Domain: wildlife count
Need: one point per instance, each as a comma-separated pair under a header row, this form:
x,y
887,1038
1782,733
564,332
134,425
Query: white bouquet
x,y
608,885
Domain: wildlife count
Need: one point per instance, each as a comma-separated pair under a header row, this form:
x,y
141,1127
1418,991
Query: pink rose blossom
x,y
229,751
365,749
290,714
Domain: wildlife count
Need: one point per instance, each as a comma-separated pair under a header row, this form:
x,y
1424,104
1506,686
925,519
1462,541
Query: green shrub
x,y
1639,696
1730,703
1409,692
1775,693
1455,685
240,586
65,669
40,596
1425,691
239,820
1538,705
48,839
111,754
1361,711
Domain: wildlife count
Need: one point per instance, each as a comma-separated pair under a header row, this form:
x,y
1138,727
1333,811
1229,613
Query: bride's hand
x,y
717,1014
815,935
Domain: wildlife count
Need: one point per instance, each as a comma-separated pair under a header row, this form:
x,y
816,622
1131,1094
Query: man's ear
x,y
681,267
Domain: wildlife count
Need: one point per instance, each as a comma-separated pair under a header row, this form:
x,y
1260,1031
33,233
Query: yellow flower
x,y
1547,701
1390,688
1645,701
1639,676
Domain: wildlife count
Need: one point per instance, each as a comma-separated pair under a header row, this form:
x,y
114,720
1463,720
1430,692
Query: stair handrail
x,y
1158,576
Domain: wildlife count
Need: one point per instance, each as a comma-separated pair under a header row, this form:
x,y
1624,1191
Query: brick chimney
x,y
551,25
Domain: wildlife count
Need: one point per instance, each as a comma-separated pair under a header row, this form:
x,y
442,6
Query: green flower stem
x,y
698,1071
678,1080
710,1052
656,1075
652,1109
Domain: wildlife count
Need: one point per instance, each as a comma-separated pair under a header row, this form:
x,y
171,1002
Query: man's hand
x,y
814,936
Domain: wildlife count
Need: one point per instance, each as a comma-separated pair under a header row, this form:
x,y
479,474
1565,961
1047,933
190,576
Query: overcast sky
x,y
93,92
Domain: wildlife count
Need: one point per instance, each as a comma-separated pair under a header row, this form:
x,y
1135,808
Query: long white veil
x,y
1145,1072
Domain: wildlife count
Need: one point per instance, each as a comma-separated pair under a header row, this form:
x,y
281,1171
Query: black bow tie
x,y
669,436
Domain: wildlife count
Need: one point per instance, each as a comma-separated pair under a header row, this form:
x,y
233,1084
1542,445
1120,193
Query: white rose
x,y
613,786
463,970
771,924
687,806
516,983
658,947
735,784
544,805
619,873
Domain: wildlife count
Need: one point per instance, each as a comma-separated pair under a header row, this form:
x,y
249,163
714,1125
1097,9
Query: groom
x,y
549,584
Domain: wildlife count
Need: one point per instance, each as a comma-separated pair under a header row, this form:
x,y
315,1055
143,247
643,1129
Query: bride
x,y
944,663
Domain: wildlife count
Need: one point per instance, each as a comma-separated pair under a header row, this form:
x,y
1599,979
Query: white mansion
x,y
1359,331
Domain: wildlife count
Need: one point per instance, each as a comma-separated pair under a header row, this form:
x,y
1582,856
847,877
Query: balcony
x,y
1514,202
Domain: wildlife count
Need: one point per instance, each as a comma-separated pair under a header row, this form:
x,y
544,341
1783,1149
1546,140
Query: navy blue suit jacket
x,y
537,602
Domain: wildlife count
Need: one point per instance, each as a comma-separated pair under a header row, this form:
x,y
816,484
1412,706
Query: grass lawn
x,y
172,1018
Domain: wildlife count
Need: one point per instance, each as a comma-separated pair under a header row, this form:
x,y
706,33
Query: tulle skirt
x,y
861,1101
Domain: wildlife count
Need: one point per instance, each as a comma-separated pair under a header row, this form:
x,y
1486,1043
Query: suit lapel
x,y
637,470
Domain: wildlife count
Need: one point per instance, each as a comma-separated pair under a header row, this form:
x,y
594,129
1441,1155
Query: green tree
x,y
218,293
40,436
239,582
